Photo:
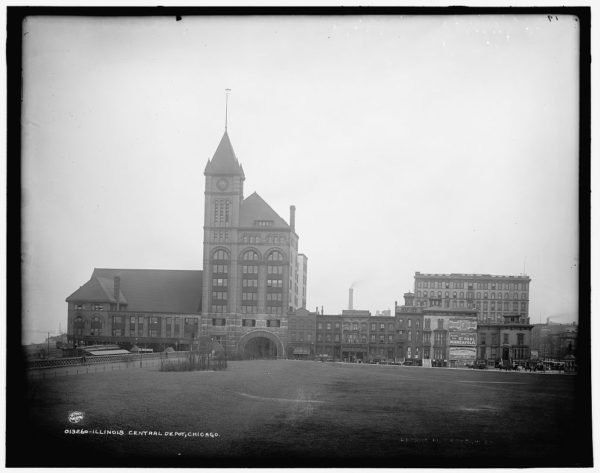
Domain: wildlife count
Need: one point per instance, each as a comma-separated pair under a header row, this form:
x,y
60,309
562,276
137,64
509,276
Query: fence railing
x,y
101,359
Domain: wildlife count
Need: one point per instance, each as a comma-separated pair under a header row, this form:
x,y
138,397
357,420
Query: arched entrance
x,y
260,345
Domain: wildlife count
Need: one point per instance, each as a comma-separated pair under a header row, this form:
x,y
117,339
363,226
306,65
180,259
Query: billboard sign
x,y
463,325
462,353
463,338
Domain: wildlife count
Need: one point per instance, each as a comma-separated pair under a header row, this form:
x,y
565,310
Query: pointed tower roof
x,y
224,160
255,208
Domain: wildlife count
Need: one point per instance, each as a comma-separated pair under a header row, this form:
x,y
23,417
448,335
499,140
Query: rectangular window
x,y
390,338
117,332
248,323
482,338
273,323
505,338
250,269
440,324
520,339
219,322
328,326
372,337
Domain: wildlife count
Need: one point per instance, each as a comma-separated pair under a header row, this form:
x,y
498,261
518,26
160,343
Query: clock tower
x,y
223,194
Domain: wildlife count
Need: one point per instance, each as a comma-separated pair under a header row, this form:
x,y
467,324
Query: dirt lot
x,y
301,413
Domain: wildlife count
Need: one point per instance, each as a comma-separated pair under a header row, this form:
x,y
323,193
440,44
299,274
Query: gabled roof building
x,y
252,278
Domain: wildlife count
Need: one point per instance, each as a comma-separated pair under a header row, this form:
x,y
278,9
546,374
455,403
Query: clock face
x,y
222,184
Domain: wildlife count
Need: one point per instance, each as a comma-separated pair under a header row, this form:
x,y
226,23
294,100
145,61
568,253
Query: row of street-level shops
x,y
431,337
427,336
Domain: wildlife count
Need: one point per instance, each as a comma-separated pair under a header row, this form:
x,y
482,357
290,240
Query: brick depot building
x,y
252,278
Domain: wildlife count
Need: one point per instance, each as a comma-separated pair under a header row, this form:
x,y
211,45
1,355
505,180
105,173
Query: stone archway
x,y
261,344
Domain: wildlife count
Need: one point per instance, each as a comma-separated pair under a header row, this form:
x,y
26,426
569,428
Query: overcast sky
x,y
435,143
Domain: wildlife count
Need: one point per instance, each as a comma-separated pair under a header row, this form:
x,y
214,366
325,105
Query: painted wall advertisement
x,y
456,353
463,338
463,325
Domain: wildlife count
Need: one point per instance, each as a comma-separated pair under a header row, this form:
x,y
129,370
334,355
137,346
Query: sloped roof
x,y
254,208
96,290
224,160
145,290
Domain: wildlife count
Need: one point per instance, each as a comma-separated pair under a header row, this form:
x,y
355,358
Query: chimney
x,y
350,299
117,289
322,312
293,217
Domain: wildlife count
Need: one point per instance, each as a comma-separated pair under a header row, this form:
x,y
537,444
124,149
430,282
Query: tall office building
x,y
493,296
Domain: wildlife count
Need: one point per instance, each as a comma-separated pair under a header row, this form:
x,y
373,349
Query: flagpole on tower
x,y
226,103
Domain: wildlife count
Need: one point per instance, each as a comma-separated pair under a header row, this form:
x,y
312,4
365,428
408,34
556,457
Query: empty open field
x,y
306,413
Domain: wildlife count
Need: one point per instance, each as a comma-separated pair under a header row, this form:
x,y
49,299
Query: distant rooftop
x,y
467,275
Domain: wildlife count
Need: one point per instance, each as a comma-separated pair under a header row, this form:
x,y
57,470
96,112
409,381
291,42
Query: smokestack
x,y
350,298
117,289
293,217
322,312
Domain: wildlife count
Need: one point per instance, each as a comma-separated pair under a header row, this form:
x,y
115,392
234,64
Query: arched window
x,y
275,256
96,326
499,295
439,293
78,325
220,255
250,255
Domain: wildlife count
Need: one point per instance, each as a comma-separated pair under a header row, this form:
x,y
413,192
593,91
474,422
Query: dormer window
x,y
98,307
263,223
